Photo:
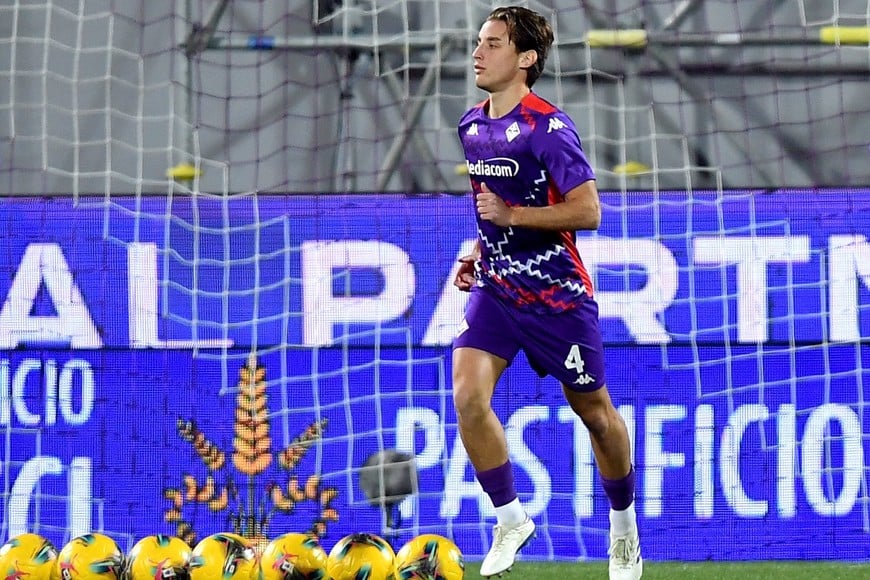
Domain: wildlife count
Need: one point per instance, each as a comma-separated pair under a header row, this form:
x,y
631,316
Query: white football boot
x,y
506,542
625,560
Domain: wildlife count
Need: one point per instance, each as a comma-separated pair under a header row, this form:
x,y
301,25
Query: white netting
x,y
250,101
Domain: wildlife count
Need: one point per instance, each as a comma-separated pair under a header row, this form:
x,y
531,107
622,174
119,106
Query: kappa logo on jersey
x,y
512,132
555,125
472,131
494,167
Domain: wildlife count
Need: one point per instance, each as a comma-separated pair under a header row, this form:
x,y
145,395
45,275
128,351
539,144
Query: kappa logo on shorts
x,y
584,379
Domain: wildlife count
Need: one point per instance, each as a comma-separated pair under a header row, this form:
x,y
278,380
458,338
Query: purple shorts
x,y
566,345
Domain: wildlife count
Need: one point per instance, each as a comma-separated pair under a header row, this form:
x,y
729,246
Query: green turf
x,y
795,570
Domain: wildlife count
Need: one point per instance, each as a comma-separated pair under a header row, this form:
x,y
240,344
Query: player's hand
x,y
465,278
492,208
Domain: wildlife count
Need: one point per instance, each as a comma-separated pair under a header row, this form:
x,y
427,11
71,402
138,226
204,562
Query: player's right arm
x,y
465,278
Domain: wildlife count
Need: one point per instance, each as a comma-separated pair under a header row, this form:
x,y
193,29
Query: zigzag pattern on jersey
x,y
546,296
528,268
496,248
517,267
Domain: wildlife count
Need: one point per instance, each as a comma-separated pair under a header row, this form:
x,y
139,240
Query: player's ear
x,y
528,58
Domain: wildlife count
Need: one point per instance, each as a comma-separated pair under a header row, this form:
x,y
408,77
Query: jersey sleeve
x,y
556,144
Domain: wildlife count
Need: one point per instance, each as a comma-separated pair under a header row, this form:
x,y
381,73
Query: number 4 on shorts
x,y
574,360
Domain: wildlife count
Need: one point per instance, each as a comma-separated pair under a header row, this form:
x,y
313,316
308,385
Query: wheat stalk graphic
x,y
251,456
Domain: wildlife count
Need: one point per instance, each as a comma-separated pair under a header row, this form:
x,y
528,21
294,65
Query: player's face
x,y
496,61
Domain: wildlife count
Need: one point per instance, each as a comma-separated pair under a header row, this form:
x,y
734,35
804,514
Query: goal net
x,y
225,307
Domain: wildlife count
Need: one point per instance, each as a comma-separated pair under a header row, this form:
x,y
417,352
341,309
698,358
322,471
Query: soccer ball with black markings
x,y
293,556
361,556
223,556
159,556
91,556
430,557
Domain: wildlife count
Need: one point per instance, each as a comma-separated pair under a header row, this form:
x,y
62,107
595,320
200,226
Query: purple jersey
x,y
530,157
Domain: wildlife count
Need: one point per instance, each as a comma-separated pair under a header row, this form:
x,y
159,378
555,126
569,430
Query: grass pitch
x,y
792,570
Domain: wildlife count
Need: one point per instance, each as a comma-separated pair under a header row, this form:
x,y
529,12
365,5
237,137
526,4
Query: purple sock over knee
x,y
498,483
620,492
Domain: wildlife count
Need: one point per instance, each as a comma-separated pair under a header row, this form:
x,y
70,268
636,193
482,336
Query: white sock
x,y
511,514
623,522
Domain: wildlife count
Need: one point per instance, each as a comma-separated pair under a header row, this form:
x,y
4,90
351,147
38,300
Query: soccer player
x,y
533,189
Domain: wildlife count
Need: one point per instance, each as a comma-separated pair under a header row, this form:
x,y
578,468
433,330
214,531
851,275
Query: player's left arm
x,y
580,210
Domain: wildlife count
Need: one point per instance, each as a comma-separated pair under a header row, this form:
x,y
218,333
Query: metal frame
x,y
655,45
664,37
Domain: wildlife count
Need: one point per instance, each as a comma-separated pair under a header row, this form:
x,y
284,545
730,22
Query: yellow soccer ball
x,y
361,557
28,556
430,557
159,557
293,556
91,557
223,557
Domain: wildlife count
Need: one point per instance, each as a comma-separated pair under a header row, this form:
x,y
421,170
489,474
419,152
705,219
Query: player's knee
x,y
469,401
597,421
599,418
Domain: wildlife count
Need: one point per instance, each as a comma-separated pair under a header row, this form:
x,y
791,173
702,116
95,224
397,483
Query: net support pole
x,y
703,127
641,39
187,101
680,13
394,154
197,40
599,40
362,42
